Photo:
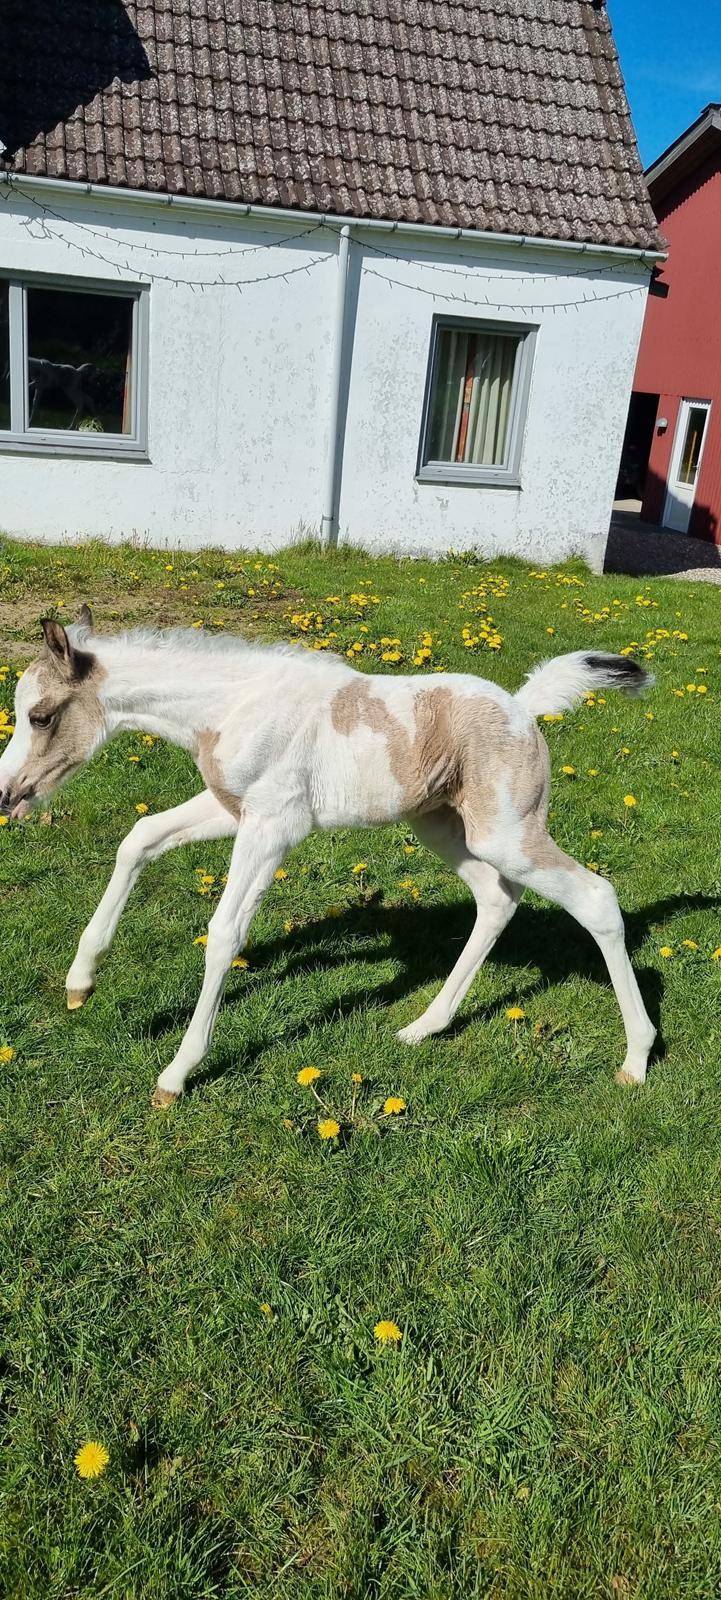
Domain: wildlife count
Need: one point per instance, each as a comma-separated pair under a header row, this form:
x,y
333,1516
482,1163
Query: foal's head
x,y
59,720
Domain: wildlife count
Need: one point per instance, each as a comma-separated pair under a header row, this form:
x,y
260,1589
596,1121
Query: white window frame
x,y
508,474
19,438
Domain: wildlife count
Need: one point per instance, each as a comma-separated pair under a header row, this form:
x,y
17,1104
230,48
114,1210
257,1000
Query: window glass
x,y
471,396
79,357
4,357
692,444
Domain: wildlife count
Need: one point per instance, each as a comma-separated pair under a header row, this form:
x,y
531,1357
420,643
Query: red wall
x,y
680,352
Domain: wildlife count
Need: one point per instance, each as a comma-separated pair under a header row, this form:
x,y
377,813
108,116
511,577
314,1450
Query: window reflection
x,y
79,361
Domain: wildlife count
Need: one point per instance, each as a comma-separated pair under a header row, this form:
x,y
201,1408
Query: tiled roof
x,y
505,115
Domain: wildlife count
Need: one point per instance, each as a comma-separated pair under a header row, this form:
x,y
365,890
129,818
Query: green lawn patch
x,y
198,1291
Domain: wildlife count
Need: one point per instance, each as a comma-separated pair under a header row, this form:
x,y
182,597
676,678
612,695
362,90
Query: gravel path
x,y
641,549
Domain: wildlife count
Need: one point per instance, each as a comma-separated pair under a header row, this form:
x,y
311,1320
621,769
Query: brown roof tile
x,y
501,115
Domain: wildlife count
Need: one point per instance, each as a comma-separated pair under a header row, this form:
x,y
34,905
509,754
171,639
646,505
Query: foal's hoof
x,y
162,1098
76,998
628,1079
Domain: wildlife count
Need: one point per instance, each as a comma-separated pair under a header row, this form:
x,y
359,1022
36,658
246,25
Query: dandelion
x,y
357,1077
307,1076
716,954
665,951
690,944
7,1054
4,822
394,1106
91,1460
133,758
597,833
570,772
266,1309
593,772
387,1333
405,883
239,961
289,926
141,808
592,866
280,875
409,849
201,939
360,866
328,1129
630,801
515,1013
701,688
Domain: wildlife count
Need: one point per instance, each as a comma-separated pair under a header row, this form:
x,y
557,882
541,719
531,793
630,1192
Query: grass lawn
x,y
198,1290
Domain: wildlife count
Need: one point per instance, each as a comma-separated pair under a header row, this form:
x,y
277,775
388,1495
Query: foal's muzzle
x,y
15,804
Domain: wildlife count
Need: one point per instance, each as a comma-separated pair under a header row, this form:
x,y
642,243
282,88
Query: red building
x,y
672,450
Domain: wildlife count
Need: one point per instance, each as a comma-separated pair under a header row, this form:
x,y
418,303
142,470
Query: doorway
x,y
686,457
637,442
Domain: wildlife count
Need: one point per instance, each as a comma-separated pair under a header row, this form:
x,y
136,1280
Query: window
x,y
72,367
476,396
691,452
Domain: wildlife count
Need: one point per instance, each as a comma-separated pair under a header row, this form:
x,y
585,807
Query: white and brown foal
x,y
287,740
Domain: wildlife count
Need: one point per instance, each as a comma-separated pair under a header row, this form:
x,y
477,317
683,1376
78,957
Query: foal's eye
x,y
38,721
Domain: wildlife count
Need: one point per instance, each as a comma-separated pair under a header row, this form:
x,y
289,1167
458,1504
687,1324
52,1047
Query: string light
x,y
486,301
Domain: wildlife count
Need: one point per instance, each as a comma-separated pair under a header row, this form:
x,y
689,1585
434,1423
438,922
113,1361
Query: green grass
x,y
549,1243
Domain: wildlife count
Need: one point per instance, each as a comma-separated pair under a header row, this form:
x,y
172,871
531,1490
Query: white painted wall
x,y
239,387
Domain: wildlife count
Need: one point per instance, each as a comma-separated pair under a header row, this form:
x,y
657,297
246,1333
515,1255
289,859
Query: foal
x,y
286,741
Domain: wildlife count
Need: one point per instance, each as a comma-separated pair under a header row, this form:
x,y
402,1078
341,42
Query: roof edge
x,y
685,153
240,209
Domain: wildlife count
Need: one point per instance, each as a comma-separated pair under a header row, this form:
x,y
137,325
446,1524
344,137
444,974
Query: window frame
x,y
508,475
20,438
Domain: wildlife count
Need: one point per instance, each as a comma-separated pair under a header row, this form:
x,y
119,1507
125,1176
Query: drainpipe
x,y
329,519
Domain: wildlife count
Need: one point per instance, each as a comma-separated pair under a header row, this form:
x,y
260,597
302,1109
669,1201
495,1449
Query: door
x,y
688,446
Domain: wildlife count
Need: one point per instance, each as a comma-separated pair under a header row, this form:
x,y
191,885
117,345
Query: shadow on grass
x,y
427,940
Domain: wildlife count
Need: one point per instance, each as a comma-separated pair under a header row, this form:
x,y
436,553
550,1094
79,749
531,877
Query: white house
x,y
370,268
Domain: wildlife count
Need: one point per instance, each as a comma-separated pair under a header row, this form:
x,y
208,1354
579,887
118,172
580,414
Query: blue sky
x,y
670,54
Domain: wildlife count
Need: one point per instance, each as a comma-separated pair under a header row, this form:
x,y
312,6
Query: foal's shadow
x,y
426,941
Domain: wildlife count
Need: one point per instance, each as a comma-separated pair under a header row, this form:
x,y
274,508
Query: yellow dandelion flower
x,y
360,866
91,1460
701,688
133,758
308,1075
357,1077
328,1129
593,772
7,1054
409,849
515,1013
690,944
597,833
201,939
141,808
665,951
630,801
569,771
266,1309
4,822
393,1106
405,883
716,954
289,926
387,1333
240,961
592,866
280,875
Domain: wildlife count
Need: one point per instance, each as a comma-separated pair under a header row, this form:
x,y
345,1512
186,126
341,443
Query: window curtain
x,y
472,397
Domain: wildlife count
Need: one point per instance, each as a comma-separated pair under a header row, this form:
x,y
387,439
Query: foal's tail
x,y
557,685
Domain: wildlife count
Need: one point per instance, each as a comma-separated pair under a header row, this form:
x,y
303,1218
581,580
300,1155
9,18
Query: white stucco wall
x,y
239,386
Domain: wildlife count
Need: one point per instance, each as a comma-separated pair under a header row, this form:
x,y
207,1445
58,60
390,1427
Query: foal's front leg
x,y
259,848
203,817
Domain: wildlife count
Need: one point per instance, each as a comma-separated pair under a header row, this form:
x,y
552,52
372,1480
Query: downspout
x,y
329,519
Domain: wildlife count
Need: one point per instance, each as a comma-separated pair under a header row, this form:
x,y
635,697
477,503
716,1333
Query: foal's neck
x,y
168,692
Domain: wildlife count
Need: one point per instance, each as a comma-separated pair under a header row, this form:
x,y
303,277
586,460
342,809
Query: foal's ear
x,y
86,616
59,645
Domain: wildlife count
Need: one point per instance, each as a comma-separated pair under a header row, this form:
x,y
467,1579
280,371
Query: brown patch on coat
x,y
458,749
212,772
461,748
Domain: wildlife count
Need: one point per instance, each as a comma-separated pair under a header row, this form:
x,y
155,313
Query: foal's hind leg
x,y
496,900
538,863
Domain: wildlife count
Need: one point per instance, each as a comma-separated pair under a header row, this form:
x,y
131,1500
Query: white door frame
x,y
680,497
